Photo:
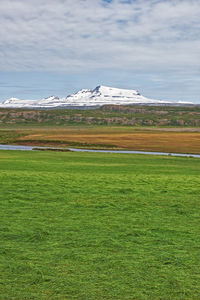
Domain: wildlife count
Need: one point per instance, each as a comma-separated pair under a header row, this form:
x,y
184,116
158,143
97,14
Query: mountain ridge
x,y
99,96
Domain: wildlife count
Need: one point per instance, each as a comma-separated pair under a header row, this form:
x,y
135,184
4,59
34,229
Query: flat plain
x,y
180,140
99,226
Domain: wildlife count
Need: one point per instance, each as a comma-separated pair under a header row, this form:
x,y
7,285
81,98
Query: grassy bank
x,y
99,226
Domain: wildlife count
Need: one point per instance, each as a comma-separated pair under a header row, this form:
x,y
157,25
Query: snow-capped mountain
x,y
101,95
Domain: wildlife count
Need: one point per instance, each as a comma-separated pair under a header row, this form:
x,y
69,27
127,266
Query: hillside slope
x,y
106,115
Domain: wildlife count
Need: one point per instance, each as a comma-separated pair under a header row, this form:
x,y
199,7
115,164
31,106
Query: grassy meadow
x,y
91,226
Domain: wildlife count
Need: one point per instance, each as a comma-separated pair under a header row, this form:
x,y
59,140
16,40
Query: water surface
x,y
31,148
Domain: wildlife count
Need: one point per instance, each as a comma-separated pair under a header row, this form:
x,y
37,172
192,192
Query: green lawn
x,y
91,226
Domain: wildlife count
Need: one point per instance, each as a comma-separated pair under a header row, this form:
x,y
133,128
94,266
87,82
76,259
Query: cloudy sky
x,y
60,46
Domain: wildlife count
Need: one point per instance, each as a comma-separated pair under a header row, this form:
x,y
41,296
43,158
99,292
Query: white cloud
x,y
81,35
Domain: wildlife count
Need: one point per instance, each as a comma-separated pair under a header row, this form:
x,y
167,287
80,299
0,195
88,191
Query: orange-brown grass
x,y
166,141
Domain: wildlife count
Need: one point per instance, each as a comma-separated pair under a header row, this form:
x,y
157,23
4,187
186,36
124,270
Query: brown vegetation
x,y
150,140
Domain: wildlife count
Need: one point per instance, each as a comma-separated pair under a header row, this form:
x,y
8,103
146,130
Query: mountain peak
x,y
51,98
101,95
12,99
112,90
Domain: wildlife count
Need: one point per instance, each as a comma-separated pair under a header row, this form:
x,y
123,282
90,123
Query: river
x,y
31,148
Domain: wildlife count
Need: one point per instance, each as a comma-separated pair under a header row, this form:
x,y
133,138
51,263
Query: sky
x,y
57,47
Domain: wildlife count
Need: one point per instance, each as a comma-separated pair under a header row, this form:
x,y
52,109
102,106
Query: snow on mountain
x,y
184,102
15,102
102,95
99,96
51,101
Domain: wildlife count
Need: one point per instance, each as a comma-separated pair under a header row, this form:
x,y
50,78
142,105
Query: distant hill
x,y
134,115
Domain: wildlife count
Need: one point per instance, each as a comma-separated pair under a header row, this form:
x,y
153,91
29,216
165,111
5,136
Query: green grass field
x,y
91,226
